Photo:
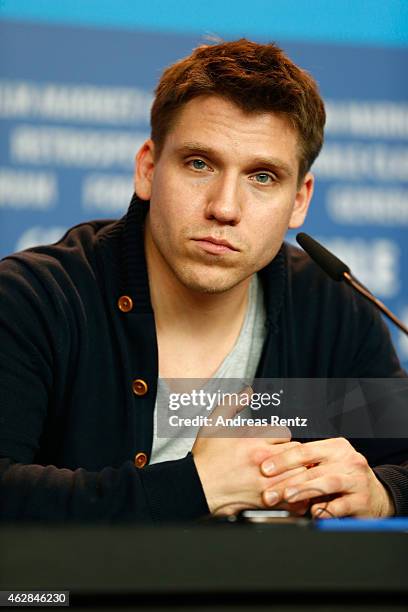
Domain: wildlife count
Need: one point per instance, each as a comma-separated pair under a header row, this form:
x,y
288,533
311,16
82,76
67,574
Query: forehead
x,y
218,122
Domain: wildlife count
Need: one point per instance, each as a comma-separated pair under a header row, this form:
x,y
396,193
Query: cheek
x,y
169,222
266,236
269,231
163,202
169,192
177,208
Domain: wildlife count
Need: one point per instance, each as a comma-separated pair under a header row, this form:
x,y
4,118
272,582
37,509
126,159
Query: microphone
x,y
339,271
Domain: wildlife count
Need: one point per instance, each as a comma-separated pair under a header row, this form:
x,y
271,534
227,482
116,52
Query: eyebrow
x,y
256,162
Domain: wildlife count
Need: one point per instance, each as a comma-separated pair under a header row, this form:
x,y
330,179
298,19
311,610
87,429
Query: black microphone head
x,y
331,264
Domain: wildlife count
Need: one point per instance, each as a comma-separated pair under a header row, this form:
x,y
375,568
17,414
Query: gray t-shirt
x,y
240,363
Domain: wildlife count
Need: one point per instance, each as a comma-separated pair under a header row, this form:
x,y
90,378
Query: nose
x,y
223,201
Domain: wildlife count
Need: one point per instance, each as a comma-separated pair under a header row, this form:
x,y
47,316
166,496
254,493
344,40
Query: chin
x,y
207,283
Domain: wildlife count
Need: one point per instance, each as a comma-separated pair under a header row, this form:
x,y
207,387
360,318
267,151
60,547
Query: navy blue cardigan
x,y
70,424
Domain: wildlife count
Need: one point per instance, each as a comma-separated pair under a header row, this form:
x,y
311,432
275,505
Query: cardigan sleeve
x,y
375,357
164,492
31,343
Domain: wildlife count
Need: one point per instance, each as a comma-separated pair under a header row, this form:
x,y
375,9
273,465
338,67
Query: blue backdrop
x,y
76,80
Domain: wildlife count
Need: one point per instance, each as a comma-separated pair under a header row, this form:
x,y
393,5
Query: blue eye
x,y
198,164
262,177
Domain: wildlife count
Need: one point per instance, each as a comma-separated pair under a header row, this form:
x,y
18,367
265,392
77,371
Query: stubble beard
x,y
199,282
195,272
199,276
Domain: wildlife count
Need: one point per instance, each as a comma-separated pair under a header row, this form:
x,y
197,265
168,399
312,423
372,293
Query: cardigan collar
x,y
134,279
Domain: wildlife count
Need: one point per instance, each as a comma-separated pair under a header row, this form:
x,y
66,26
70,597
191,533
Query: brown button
x,y
125,303
140,460
139,387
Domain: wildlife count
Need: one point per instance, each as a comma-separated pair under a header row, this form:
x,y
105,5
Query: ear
x,y
302,201
144,168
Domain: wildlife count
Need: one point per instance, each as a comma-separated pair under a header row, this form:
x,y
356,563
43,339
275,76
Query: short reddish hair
x,y
256,77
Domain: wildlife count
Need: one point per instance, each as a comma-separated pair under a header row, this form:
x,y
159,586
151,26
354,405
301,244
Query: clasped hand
x,y
330,475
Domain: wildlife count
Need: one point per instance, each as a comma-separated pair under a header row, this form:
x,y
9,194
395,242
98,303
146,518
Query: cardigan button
x,y
125,303
139,387
140,460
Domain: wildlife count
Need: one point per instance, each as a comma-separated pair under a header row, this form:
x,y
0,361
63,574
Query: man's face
x,y
222,193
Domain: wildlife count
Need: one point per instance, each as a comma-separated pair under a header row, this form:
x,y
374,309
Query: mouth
x,y
214,245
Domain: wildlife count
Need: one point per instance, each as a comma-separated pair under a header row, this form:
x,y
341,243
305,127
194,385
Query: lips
x,y
215,245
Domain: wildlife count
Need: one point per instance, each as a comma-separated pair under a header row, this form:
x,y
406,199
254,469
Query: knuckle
x,y
336,507
303,453
343,443
315,472
295,479
261,483
335,483
302,470
359,460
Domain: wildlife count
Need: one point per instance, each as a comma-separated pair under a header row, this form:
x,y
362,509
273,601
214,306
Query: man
x,y
172,290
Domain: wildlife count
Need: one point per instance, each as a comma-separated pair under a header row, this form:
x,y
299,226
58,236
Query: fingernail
x,y
290,492
271,497
268,467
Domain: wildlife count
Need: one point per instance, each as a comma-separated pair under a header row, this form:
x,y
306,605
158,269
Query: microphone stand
x,y
338,271
353,282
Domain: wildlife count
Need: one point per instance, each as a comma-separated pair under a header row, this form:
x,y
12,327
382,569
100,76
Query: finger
x,y
288,460
299,509
293,478
301,487
283,446
307,483
309,473
328,484
307,454
345,505
274,435
275,494
261,453
287,477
